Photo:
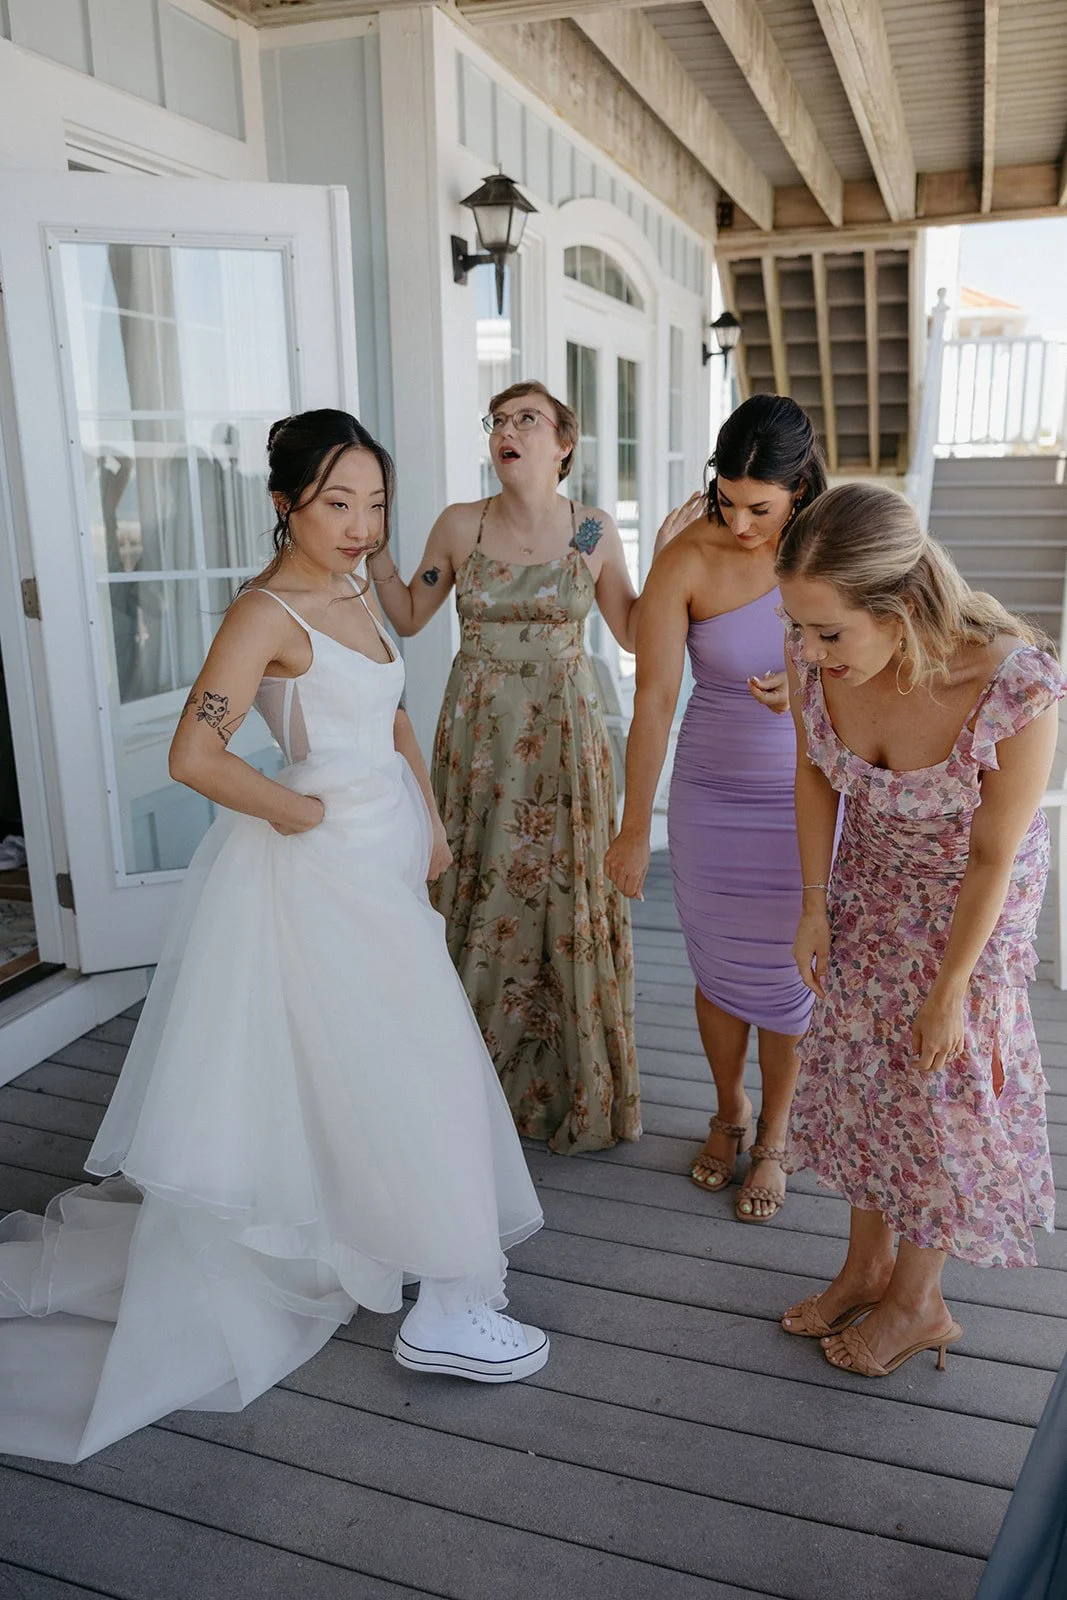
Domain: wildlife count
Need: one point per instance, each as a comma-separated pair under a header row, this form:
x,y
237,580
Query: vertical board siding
x,y
322,106
201,73
60,32
148,48
126,47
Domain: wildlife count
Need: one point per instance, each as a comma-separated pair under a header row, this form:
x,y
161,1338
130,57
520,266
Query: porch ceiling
x,y
816,118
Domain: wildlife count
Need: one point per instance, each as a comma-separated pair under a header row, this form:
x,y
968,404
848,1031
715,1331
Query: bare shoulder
x,y
687,555
974,666
591,525
456,529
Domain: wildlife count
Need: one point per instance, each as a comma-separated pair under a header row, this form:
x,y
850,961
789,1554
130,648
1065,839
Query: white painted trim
x,y
29,717
211,17
341,231
86,108
297,33
41,1020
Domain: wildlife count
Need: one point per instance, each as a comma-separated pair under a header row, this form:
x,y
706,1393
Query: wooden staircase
x,y
1004,521
833,329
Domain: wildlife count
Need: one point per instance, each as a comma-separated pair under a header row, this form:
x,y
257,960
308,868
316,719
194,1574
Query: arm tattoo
x,y
431,576
587,535
213,709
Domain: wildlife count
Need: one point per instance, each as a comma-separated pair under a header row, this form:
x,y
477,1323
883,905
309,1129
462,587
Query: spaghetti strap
x,y
285,607
481,524
361,595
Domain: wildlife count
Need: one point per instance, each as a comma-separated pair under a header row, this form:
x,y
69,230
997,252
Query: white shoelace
x,y
500,1329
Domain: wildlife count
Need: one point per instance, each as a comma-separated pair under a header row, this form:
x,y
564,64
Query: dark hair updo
x,y
303,450
770,440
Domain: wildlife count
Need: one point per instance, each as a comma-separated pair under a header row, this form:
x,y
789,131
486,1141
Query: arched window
x,y
586,264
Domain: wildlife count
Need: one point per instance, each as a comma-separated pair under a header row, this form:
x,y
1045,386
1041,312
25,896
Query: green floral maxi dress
x,y
524,782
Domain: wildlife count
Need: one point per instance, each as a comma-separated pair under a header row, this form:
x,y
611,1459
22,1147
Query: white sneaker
x,y
479,1343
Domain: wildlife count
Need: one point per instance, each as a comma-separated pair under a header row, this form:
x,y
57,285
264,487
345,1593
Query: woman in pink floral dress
x,y
921,1096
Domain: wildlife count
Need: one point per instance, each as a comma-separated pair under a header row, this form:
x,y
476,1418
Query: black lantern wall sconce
x,y
500,212
727,331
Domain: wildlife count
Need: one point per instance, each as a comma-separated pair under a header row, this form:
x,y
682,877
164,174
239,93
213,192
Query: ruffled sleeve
x,y
1028,682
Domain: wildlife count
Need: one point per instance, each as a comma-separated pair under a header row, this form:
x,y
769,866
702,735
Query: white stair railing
x,y
919,484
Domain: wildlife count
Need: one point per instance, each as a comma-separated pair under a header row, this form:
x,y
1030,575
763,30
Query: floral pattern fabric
x,y
958,1159
523,777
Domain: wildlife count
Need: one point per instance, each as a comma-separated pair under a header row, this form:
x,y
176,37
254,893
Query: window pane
x,y
582,398
157,635
500,357
138,490
230,461
234,349
123,332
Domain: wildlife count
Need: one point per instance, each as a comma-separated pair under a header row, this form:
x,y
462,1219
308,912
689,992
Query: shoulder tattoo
x,y
214,710
588,535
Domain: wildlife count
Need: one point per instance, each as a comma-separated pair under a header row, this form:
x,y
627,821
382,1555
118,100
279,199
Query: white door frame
x,y
59,744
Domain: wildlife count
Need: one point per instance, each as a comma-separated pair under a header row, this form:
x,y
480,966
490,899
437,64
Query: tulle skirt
x,y
306,1120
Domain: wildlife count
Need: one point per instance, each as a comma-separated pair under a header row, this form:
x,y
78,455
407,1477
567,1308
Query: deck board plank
x,y
678,1446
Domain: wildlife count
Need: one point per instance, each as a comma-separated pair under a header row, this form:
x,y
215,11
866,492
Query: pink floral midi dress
x,y
957,1159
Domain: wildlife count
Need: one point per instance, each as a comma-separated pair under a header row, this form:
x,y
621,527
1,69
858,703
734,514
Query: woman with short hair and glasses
x,y
523,777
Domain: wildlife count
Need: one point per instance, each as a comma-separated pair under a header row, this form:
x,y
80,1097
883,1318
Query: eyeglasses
x,y
521,421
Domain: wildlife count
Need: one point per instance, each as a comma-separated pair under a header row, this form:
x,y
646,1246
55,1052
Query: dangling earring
x,y
900,663
792,515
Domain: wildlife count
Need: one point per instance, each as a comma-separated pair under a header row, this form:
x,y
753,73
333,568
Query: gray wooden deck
x,y
678,1446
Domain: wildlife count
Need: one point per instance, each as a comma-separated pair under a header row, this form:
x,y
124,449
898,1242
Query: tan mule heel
x,y
811,1324
865,1365
705,1168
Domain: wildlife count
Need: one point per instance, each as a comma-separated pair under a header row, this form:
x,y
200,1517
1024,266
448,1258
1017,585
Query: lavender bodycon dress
x,y
732,827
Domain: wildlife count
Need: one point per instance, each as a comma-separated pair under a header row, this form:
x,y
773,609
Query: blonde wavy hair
x,y
866,542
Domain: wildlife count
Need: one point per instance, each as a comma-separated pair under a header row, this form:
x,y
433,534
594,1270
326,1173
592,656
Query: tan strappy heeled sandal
x,y
864,1364
711,1172
809,1322
750,1192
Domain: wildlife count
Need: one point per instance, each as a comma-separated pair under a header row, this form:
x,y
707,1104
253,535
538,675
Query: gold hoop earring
x,y
900,663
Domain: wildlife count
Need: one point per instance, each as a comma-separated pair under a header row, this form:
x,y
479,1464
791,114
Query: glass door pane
x,y
583,399
627,505
180,359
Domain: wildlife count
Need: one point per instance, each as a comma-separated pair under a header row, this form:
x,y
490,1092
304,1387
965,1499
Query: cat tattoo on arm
x,y
213,709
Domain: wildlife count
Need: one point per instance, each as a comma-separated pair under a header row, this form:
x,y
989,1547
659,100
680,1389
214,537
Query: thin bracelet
x,y
375,578
814,885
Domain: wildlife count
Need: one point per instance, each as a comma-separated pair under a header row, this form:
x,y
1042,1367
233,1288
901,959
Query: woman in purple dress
x,y
730,817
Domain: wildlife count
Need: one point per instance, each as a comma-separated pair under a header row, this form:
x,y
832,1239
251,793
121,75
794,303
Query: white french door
x,y
609,387
152,330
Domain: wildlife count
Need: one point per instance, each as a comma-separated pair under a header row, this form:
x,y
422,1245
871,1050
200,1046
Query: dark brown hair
x,y
771,440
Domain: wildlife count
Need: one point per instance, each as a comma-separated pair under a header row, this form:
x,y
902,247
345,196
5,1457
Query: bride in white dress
x,y
307,1117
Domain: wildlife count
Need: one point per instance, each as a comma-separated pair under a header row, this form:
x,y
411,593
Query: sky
x,y
1025,262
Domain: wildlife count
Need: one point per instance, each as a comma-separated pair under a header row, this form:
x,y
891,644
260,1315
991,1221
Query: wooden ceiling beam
x,y
485,11
568,72
751,43
1019,192
855,33
989,101
631,45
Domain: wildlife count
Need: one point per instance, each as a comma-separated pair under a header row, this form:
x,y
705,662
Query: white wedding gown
x,y
306,1120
